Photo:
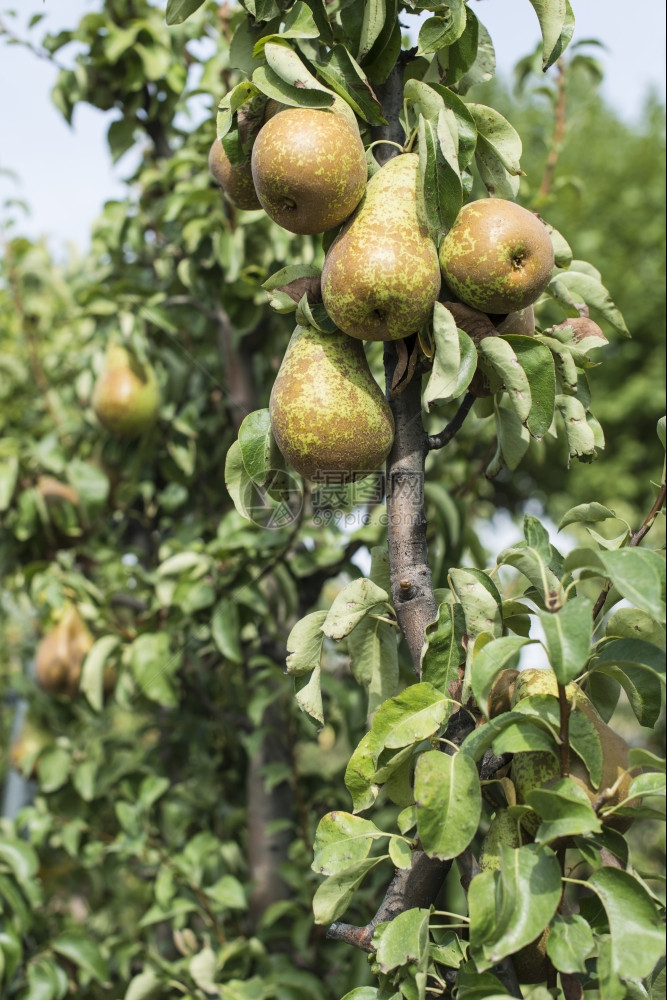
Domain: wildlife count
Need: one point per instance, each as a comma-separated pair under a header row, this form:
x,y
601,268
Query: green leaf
x,y
413,715
449,802
334,896
535,568
440,188
153,666
513,440
639,667
552,16
631,623
565,811
375,13
585,513
572,288
497,354
538,364
639,575
92,671
83,952
637,933
341,840
53,769
489,662
346,77
19,857
482,604
455,360
403,940
179,10
373,649
579,433
568,633
226,629
510,907
350,605
308,695
91,485
443,30
145,986
496,137
570,942
304,644
272,85
9,470
443,653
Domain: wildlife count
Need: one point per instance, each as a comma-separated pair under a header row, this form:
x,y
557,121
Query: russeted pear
x,y
328,414
126,397
381,275
497,257
309,169
61,653
235,181
503,832
532,769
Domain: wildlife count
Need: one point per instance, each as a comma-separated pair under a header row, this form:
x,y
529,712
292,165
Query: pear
x,y
309,169
61,653
327,412
520,324
27,746
381,276
235,182
532,769
497,257
503,831
126,397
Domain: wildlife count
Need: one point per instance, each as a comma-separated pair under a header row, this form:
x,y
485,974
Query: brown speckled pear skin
x,y
236,182
381,275
309,169
126,397
327,411
497,257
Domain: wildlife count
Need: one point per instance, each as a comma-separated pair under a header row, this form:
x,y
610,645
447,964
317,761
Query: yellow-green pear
x,y
497,257
328,414
503,832
126,397
61,653
309,169
32,738
381,275
532,769
235,181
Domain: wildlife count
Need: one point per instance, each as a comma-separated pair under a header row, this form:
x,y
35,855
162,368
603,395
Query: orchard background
x,y
157,838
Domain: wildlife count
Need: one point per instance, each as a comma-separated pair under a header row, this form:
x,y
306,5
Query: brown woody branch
x,y
436,441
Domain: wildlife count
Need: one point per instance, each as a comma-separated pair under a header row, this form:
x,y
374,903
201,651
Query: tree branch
x,y
436,441
559,132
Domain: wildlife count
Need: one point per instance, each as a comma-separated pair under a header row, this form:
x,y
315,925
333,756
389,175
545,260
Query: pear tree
x,y
286,733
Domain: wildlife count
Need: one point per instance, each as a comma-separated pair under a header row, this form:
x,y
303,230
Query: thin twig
x,y
436,441
559,132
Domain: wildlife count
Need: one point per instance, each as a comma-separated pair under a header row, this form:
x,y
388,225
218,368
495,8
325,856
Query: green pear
x,y
235,182
381,276
503,832
61,653
328,414
31,740
126,397
532,769
497,257
309,169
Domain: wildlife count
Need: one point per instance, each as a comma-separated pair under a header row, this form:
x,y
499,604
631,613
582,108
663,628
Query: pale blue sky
x,y
65,174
